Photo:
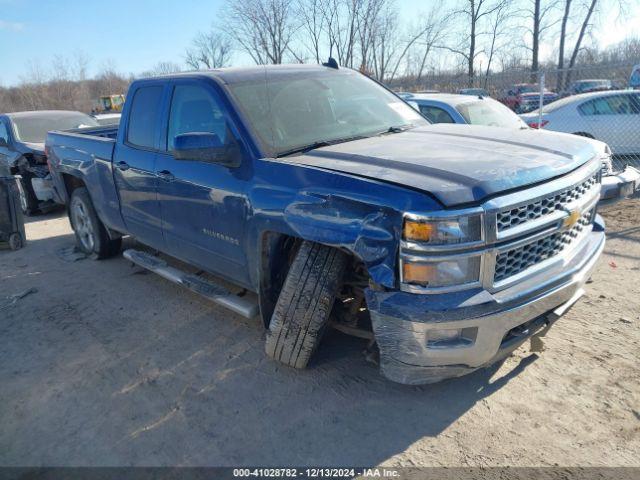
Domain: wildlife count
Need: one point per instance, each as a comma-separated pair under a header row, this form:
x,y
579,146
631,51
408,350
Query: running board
x,y
214,292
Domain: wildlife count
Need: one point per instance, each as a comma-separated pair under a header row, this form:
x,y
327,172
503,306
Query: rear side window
x,y
143,119
612,105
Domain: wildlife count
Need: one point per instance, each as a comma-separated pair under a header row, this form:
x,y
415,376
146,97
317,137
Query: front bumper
x,y
494,323
619,186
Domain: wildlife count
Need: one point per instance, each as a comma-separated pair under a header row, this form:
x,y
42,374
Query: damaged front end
x,y
494,276
36,185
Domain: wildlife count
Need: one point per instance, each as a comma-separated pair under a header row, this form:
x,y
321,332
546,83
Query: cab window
x,y
4,134
193,109
143,119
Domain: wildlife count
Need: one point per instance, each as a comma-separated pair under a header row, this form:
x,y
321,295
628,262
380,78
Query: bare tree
x,y
313,25
209,50
565,79
384,43
563,36
473,12
498,25
264,29
539,12
162,68
423,36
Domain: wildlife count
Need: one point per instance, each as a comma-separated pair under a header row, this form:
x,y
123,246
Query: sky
x,y
134,35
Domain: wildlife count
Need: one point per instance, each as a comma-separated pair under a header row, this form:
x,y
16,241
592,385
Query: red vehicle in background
x,y
525,97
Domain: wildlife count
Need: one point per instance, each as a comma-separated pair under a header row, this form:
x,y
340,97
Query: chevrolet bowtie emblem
x,y
573,218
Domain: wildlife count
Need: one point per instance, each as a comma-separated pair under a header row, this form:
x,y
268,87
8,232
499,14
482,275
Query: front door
x,y
134,166
204,205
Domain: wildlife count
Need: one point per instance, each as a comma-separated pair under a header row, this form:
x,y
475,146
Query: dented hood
x,y
457,164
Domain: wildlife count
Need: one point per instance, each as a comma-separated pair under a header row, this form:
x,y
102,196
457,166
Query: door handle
x,y
166,175
122,166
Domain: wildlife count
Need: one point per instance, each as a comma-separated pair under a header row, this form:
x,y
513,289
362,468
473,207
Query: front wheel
x,y
91,235
304,305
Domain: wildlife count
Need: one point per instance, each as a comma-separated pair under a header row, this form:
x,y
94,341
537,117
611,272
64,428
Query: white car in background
x,y
612,116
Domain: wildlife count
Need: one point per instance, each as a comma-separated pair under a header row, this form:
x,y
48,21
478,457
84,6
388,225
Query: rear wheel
x,y
304,305
91,234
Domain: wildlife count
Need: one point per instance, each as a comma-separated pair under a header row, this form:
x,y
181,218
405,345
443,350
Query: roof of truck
x,y
240,74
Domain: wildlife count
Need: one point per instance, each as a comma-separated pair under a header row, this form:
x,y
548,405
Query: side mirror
x,y
206,147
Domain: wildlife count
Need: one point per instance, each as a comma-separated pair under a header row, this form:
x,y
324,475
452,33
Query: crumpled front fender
x,y
369,231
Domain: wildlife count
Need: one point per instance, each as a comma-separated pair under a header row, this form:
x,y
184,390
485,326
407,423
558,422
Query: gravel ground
x,y
108,365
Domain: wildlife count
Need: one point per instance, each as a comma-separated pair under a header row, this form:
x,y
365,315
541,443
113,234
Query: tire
x,y
28,201
15,241
91,235
304,305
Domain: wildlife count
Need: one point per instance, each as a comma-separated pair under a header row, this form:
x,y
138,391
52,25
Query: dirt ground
x,y
108,365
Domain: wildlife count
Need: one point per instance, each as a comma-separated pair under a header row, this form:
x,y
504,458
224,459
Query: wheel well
x,y
71,183
276,254
584,134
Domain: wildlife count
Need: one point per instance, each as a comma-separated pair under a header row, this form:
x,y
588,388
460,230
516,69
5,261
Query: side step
x,y
212,291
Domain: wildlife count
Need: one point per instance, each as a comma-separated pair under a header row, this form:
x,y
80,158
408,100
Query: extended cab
x,y
327,200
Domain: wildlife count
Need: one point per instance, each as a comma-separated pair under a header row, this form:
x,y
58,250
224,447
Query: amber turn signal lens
x,y
418,231
420,273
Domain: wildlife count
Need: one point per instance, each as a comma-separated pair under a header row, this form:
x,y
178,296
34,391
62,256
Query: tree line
x,y
469,41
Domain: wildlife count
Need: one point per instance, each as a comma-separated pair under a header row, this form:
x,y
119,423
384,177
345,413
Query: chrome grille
x,y
514,261
513,217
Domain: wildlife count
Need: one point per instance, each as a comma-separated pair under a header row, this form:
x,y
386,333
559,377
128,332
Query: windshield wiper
x,y
326,143
319,144
398,128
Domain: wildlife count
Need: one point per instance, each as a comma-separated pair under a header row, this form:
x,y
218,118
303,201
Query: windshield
x,y
490,113
301,109
34,129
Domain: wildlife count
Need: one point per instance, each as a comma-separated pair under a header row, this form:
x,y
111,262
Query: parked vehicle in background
x,y
524,97
465,109
634,79
449,108
478,92
108,118
591,85
612,116
22,152
109,104
314,189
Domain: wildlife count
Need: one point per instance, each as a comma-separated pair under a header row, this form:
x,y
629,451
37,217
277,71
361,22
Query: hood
x,y
457,164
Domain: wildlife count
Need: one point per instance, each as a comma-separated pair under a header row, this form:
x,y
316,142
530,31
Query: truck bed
x,y
87,154
83,144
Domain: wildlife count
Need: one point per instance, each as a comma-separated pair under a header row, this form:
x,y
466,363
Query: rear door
x,y
134,163
204,205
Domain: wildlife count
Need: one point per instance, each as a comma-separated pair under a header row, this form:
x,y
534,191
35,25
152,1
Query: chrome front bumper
x,y
489,321
619,186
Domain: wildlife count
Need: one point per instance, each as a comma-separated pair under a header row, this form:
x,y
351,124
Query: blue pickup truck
x,y
324,199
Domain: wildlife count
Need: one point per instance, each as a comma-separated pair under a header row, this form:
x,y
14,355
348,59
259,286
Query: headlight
x,y
443,231
442,273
